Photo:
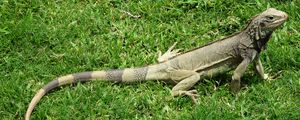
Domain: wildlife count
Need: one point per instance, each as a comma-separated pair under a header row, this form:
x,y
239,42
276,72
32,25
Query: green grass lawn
x,y
41,40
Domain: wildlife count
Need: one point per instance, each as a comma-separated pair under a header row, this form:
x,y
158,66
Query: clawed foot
x,y
269,78
193,94
169,54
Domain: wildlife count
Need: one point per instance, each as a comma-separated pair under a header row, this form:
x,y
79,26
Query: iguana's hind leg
x,y
182,88
169,54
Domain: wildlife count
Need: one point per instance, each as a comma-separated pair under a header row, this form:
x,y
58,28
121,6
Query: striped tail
x,y
126,75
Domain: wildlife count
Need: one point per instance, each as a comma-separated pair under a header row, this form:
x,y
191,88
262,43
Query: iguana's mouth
x,y
277,23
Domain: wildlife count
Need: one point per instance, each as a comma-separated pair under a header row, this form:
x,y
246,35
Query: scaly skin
x,y
186,69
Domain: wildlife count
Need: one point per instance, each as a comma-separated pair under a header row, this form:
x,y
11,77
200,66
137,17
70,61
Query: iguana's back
x,y
220,55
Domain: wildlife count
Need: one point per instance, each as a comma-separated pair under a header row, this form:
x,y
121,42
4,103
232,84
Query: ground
x,y
41,40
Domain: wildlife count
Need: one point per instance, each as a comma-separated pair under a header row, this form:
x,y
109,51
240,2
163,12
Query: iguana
x,y
185,69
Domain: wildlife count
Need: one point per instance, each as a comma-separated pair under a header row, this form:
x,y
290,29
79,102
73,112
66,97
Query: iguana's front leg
x,y
259,69
169,54
182,88
238,73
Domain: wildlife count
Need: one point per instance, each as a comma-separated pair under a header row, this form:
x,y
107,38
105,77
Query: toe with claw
x,y
193,94
169,54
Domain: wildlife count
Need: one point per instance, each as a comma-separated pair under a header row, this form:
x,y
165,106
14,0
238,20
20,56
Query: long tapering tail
x,y
126,75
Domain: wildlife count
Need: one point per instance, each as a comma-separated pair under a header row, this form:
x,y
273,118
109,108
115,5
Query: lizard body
x,y
186,69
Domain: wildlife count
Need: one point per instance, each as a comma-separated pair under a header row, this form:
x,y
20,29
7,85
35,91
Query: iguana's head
x,y
270,19
263,24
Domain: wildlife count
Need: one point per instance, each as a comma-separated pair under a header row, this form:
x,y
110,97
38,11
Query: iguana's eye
x,y
270,17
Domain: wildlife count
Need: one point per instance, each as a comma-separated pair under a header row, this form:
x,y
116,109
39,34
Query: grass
x,y
41,40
